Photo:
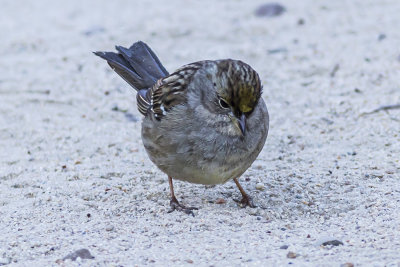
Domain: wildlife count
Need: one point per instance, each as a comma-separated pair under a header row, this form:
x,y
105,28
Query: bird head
x,y
238,90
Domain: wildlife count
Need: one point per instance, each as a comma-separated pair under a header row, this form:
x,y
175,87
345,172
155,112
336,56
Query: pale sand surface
x,y
74,173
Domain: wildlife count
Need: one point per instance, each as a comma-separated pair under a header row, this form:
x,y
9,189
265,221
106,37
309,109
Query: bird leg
x,y
246,200
174,203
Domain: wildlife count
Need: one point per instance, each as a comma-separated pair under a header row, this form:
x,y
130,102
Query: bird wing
x,y
168,92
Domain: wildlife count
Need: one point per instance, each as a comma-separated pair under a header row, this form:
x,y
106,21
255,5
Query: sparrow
x,y
204,123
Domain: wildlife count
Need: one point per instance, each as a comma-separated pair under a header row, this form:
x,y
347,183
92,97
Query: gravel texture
x,y
74,174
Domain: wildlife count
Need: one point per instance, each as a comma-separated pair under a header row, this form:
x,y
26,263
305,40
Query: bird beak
x,y
239,122
242,124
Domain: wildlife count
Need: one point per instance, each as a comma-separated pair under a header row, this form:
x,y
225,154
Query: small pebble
x,y
291,255
327,241
284,247
270,10
220,201
80,253
253,212
109,228
260,186
381,37
347,264
332,243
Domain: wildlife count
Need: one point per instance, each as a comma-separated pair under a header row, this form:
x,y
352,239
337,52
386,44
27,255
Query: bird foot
x,y
246,201
175,205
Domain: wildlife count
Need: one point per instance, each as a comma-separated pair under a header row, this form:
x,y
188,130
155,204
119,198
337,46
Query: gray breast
x,y
196,152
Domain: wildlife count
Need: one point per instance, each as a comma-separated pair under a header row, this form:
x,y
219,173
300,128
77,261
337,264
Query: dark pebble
x,y
270,10
50,251
300,22
381,37
332,243
284,247
81,253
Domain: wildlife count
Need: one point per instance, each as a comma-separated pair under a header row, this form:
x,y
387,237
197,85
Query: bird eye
x,y
223,104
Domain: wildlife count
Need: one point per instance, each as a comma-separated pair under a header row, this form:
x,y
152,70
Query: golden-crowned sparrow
x,y
205,123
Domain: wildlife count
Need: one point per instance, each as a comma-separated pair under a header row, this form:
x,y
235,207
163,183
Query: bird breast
x,y
198,152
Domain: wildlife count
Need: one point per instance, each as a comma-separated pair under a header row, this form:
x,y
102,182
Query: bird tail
x,y
138,65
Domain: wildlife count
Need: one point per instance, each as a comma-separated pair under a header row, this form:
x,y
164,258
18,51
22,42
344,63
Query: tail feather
x,y
138,65
122,67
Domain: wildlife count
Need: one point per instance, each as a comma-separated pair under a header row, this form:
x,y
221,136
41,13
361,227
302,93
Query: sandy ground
x,y
74,173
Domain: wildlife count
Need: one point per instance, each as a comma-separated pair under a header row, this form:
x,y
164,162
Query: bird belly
x,y
207,173
200,172
196,166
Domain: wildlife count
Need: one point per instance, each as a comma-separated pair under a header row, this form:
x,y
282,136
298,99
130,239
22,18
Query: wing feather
x,y
167,92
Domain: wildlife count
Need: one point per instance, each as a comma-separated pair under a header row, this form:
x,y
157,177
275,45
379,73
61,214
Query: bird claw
x,y
175,205
246,201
